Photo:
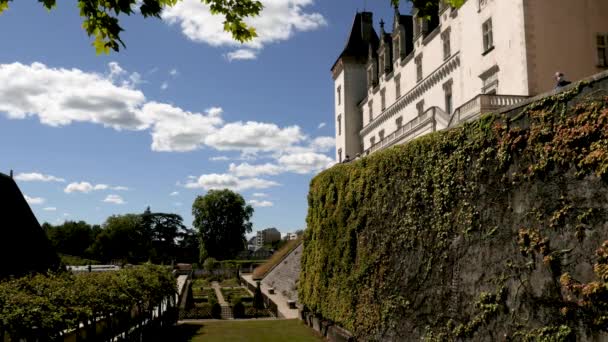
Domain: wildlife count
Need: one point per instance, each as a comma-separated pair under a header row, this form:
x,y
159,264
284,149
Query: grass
x,y
261,271
246,331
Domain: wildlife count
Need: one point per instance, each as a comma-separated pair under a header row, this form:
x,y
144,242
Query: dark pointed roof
x,y
357,45
24,247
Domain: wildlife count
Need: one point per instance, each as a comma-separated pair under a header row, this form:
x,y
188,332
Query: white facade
x,y
458,64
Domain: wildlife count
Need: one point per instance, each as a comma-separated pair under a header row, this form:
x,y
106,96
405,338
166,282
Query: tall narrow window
x,y
398,86
418,62
370,76
396,49
372,141
383,99
399,122
381,135
339,93
488,39
602,55
445,38
339,124
420,107
447,89
381,60
370,106
339,155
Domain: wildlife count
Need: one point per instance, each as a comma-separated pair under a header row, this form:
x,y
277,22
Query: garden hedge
x,y
493,230
43,306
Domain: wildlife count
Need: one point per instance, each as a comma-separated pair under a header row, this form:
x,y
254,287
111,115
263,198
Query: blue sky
x,y
181,110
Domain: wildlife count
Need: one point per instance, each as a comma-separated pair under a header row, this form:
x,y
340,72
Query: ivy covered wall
x,y
494,230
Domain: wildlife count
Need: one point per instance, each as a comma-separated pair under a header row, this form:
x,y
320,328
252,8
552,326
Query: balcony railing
x,y
438,119
483,103
433,116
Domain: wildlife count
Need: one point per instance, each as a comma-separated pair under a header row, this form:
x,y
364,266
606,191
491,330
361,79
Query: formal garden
x,y
237,301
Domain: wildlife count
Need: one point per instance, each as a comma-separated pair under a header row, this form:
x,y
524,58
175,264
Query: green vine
x,y
391,236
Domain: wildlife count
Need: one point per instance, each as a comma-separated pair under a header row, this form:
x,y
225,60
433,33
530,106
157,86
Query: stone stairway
x,y
227,312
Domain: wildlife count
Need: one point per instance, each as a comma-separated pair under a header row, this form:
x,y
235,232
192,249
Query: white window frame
x,y
420,107
447,48
488,35
397,86
418,62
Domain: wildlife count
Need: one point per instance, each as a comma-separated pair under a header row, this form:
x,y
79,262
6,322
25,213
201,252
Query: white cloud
x,y
178,204
62,96
173,72
34,200
174,193
87,187
50,209
115,199
321,125
254,137
323,144
241,54
259,194
278,21
257,203
248,170
227,181
164,86
306,162
37,177
219,158
174,129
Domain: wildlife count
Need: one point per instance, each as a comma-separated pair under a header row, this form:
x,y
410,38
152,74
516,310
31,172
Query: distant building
x,y
262,253
424,74
266,236
251,243
292,236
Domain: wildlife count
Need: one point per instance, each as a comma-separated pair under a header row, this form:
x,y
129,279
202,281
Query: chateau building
x,y
421,75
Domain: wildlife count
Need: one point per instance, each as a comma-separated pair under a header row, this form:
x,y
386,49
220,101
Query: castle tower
x,y
350,80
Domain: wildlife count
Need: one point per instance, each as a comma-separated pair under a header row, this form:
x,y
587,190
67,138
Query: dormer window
x,y
445,39
396,49
418,62
381,59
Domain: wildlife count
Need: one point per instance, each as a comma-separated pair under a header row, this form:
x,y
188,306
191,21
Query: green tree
x,y
122,237
163,230
71,237
100,18
222,220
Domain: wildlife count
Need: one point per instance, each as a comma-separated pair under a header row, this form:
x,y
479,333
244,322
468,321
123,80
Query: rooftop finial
x,y
382,25
11,174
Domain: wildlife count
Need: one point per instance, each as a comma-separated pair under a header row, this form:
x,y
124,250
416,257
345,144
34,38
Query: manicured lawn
x,y
246,331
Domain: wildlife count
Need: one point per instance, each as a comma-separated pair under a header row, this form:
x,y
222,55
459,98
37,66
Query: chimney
x,y
11,174
367,26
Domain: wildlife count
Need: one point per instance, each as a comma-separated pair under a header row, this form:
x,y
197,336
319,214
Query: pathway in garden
x,y
277,298
218,292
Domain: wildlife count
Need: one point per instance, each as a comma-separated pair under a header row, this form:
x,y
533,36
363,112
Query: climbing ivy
x,y
413,241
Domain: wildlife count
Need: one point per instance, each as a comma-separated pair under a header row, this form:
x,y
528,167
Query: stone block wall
x,y
284,277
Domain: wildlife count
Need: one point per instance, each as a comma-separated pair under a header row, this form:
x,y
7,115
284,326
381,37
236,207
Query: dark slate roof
x,y
24,246
356,45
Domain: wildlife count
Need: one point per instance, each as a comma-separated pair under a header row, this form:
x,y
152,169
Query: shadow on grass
x,y
180,333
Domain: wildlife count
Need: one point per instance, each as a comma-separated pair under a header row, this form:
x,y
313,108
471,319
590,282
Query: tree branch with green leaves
x,y
101,18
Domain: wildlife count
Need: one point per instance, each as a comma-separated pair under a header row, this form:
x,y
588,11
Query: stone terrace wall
x,y
284,277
